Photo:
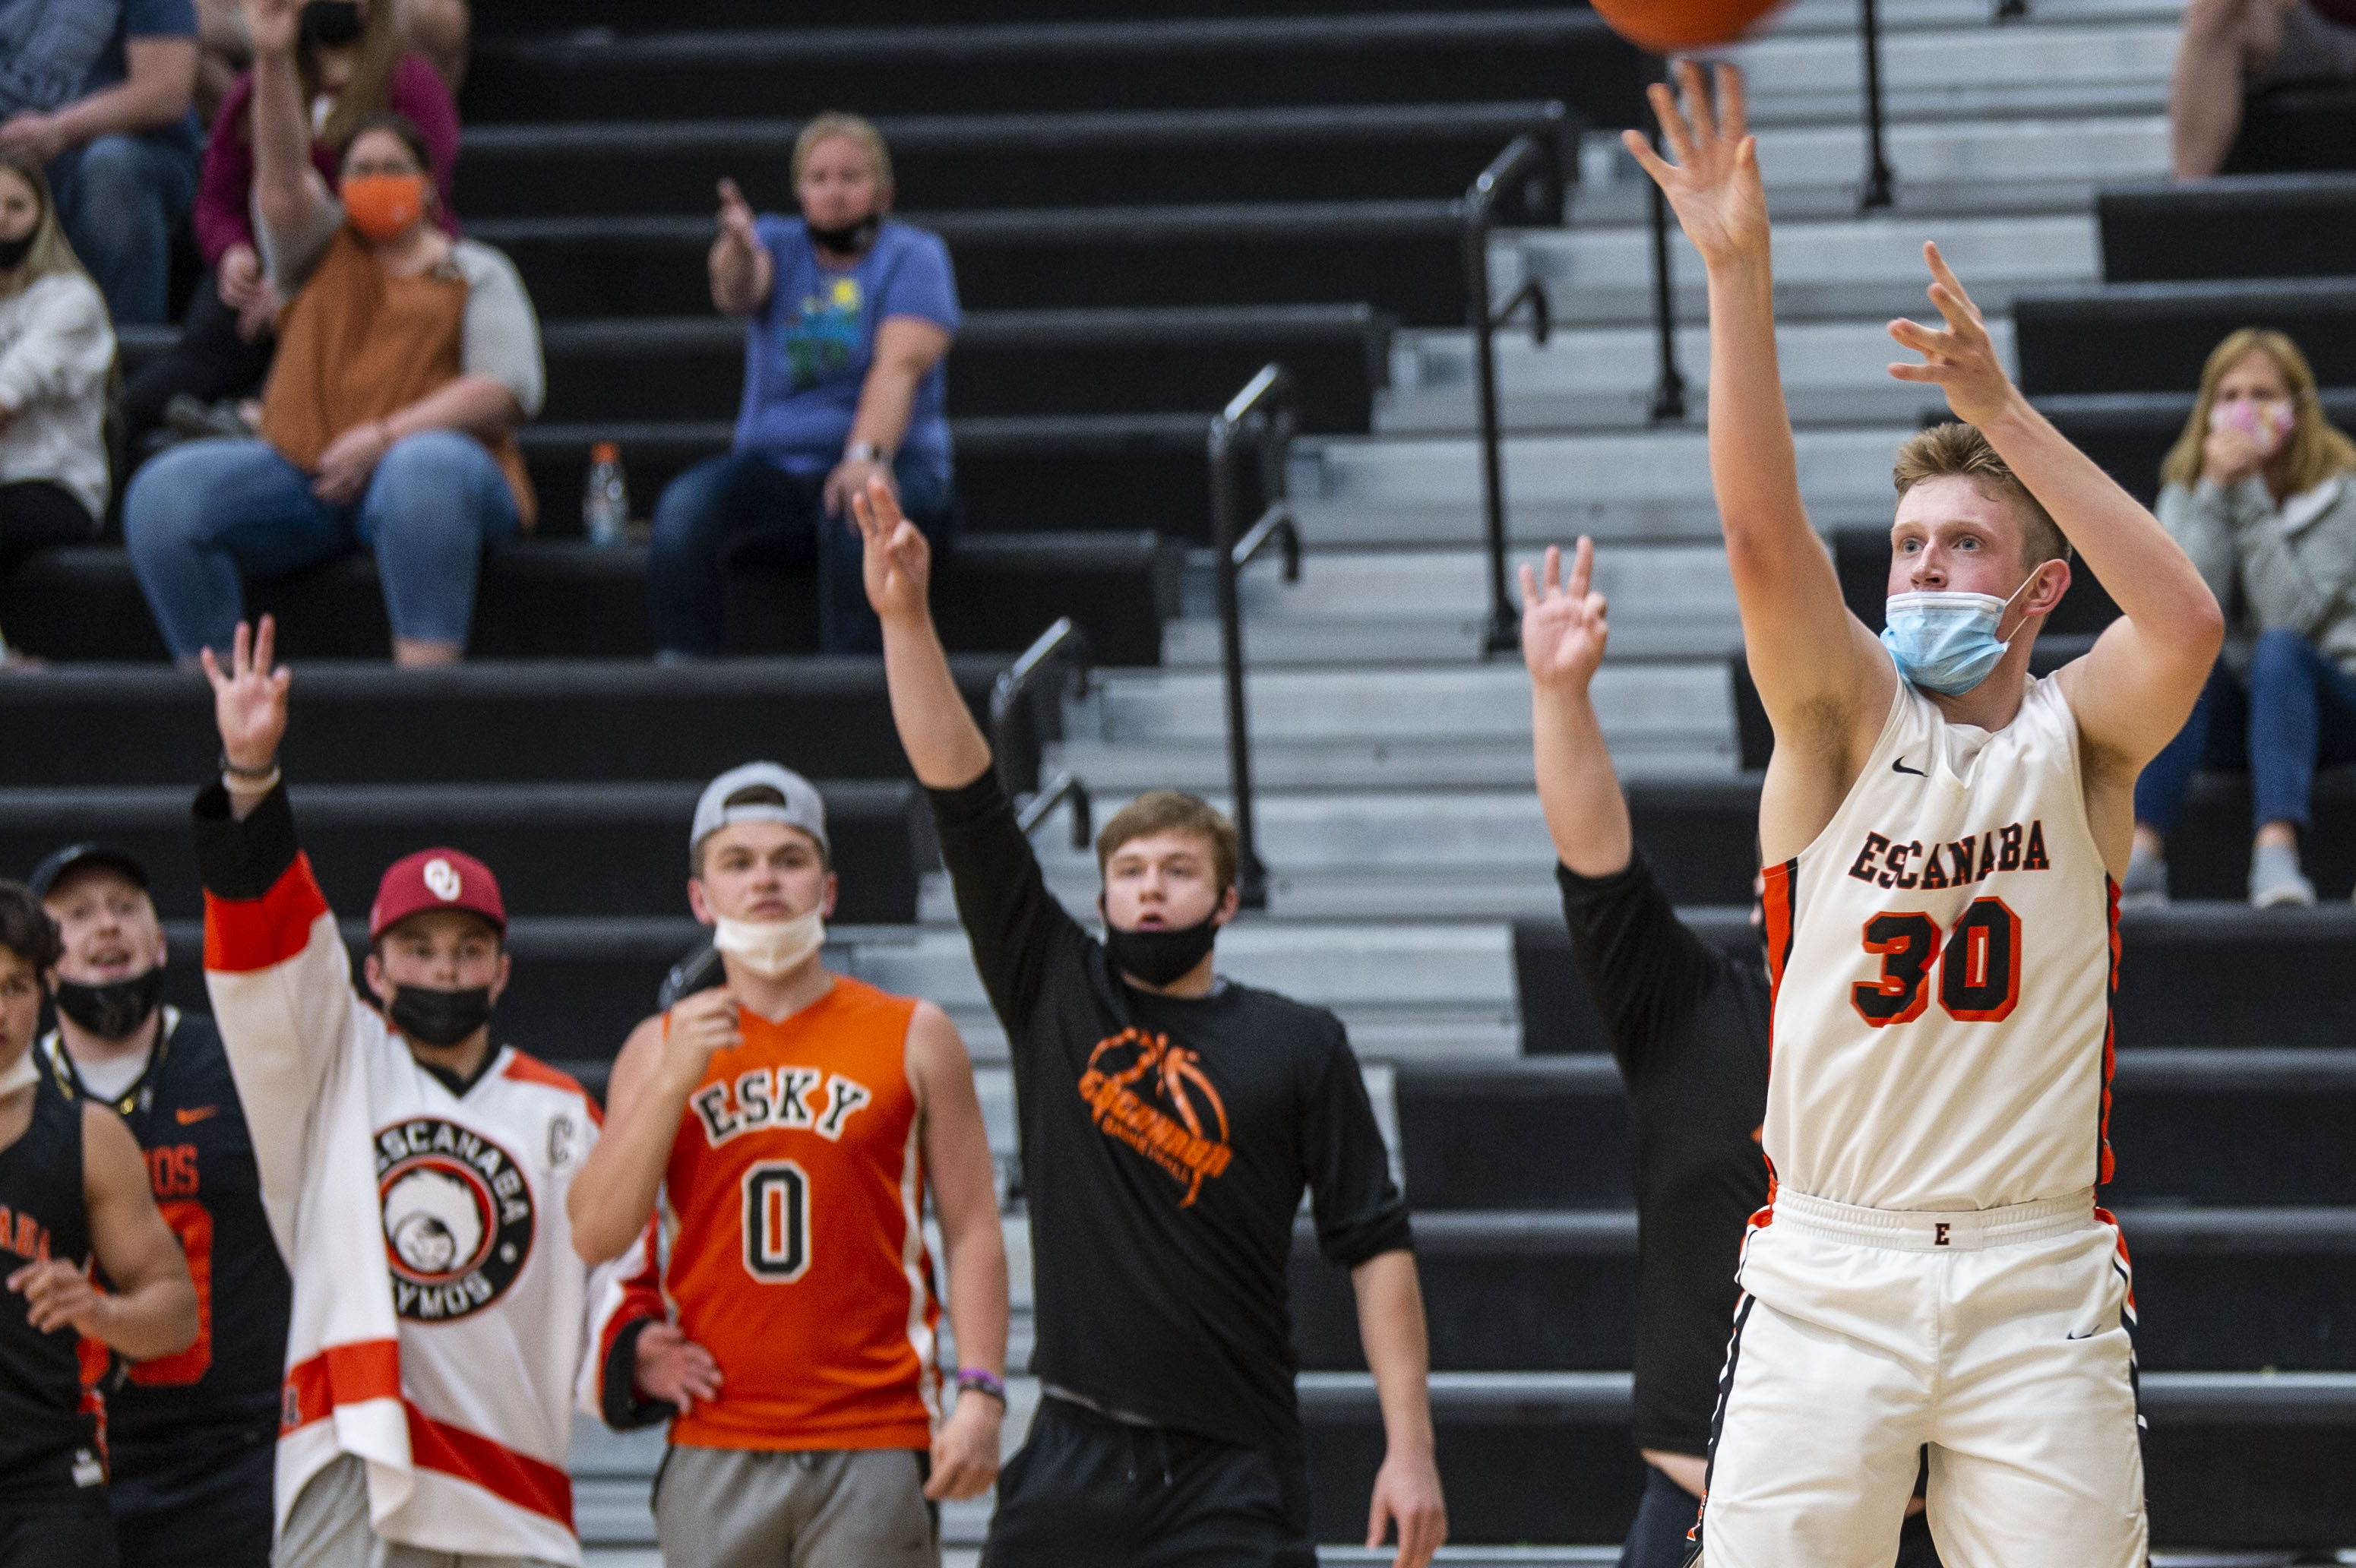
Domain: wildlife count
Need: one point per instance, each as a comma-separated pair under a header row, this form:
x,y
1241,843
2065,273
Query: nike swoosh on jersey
x,y
1898,765
189,1115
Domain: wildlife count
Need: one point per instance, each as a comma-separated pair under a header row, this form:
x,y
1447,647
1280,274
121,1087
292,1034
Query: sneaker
x,y
191,419
2276,879
2146,883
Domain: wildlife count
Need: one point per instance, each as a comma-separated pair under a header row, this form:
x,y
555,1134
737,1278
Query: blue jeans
x,y
727,502
203,512
120,198
1657,1539
2297,710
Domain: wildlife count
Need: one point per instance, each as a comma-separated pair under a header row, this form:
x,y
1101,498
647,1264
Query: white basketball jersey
x,y
1945,953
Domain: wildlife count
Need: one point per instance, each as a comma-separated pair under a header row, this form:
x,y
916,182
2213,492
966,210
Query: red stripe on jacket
x,y
341,1374
242,935
513,1478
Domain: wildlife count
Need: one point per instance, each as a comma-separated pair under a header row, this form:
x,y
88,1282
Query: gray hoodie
x,y
2270,566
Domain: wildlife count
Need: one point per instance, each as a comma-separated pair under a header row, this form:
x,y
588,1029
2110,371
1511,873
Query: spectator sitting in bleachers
x,y
98,91
2232,49
56,349
224,347
2260,494
437,29
851,314
405,361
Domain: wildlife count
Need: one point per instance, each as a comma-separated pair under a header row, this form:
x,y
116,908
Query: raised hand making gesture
x,y
897,559
1563,626
1714,184
250,698
1961,361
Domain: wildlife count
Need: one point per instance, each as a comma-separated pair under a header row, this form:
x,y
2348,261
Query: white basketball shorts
x,y
2000,1338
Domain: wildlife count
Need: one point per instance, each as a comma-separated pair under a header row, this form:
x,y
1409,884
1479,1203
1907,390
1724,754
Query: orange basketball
x,y
1671,26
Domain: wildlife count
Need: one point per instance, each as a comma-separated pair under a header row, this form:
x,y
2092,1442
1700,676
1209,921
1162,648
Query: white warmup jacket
x,y
439,1329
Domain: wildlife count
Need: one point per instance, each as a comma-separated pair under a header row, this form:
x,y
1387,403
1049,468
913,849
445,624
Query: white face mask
x,y
770,948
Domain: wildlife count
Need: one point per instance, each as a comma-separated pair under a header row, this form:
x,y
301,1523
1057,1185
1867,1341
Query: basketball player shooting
x,y
1945,835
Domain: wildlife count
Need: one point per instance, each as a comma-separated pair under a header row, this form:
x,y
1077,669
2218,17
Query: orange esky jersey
x,y
793,1207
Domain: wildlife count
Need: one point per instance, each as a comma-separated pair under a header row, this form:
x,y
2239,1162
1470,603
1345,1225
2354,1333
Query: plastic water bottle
x,y
605,503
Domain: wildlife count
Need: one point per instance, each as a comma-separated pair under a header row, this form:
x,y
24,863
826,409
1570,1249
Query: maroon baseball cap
x,y
436,878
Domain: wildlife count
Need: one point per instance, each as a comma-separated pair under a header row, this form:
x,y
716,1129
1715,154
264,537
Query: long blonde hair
x,y
51,251
2315,451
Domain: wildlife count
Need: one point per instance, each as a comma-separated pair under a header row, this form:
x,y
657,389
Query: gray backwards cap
x,y
804,807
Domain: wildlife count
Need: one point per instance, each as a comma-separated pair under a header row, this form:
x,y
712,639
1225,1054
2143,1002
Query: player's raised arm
x,y
944,746
1563,635
1823,680
2132,693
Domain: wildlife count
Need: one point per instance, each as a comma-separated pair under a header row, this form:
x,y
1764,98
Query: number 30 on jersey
x,y
1979,965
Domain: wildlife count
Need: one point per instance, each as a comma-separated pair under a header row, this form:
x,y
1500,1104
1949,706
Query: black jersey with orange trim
x,y
50,1434
185,1113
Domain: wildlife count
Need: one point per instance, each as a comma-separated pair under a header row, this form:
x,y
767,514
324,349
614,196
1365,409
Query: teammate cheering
x,y
72,1190
414,1175
1169,1122
1687,1026
792,1120
1944,834
190,1436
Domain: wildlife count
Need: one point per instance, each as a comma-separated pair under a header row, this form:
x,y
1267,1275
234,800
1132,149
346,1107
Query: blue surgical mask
x,y
1946,643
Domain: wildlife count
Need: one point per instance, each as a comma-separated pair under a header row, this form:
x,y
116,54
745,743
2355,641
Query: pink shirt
x,y
224,211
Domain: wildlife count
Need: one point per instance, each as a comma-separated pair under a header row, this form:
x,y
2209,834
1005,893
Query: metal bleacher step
x,y
1603,377
2046,68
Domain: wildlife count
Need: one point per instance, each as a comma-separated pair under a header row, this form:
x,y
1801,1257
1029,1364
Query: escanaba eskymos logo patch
x,y
458,1218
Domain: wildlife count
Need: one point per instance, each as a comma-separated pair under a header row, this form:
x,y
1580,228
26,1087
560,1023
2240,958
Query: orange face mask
x,y
382,206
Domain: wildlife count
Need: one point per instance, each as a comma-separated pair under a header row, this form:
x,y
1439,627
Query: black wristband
x,y
233,771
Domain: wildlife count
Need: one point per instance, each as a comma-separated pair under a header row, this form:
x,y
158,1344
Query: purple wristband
x,y
981,1382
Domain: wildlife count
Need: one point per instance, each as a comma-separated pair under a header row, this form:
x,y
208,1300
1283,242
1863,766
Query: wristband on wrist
x,y
866,452
982,1382
233,771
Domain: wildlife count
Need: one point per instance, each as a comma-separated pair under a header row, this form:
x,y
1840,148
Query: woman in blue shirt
x,y
850,316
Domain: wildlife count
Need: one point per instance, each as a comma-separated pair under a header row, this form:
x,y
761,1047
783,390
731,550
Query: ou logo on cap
x,y
442,879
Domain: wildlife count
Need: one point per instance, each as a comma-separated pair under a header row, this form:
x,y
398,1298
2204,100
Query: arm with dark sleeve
x,y
1642,967
1018,929
1358,1209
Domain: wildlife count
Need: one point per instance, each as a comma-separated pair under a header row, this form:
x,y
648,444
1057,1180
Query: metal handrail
x,y
1052,794
1062,650
1669,385
1525,154
1877,191
1261,413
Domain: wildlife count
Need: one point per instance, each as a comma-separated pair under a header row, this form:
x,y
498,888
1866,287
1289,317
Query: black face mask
x,y
331,23
1158,957
439,1018
116,1010
13,251
851,239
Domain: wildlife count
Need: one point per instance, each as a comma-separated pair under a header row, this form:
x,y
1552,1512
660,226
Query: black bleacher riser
x,y
541,18
1471,57
1563,1469
1563,1309
2130,434
543,600
2196,975
1406,259
2254,226
1377,153
612,851
2302,126
2146,337
1544,1139
482,723
607,372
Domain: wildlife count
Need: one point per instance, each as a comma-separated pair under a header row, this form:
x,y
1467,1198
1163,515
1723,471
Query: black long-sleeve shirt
x,y
1688,1027
1166,1142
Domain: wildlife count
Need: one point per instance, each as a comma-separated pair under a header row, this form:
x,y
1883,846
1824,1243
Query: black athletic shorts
x,y
54,1527
1087,1488
202,1503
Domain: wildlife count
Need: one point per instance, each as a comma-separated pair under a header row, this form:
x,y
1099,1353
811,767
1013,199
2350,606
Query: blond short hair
x,y
1163,811
834,122
1958,451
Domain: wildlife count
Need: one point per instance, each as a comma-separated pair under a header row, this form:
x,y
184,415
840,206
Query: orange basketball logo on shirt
x,y
1183,1144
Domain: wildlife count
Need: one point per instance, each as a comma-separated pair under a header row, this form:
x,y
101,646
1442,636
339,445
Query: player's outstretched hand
x,y
1714,184
1406,1492
1563,625
700,1027
674,1368
1961,361
249,697
896,558
965,1450
59,1296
